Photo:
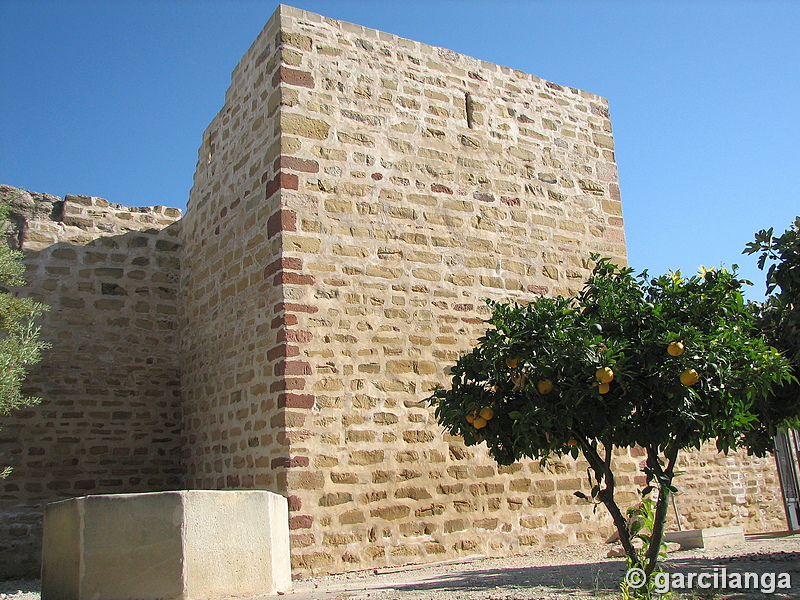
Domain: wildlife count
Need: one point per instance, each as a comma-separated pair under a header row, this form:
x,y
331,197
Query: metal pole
x,y
677,515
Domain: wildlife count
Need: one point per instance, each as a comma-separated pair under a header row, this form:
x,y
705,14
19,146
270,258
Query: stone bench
x,y
164,545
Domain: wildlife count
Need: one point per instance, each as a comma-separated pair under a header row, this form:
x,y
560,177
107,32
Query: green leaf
x,y
20,345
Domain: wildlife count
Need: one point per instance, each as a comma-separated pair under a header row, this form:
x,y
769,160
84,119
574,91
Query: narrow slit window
x,y
470,108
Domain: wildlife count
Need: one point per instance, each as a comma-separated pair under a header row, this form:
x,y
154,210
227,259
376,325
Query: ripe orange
x,y
479,423
572,442
512,363
487,413
470,417
545,387
604,375
690,377
676,348
603,388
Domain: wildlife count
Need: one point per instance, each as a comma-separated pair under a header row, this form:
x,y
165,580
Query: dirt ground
x,y
577,572
556,574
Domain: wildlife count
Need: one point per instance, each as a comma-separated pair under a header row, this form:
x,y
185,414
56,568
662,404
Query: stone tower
x,y
355,200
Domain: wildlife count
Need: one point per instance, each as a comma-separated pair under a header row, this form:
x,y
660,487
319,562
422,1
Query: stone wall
x,y
717,491
232,344
110,418
434,180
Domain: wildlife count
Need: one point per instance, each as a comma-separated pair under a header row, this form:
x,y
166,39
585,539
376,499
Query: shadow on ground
x,y
603,578
26,586
582,580
596,578
761,563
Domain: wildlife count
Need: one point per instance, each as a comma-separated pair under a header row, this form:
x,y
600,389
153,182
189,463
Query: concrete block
x,y
163,545
714,537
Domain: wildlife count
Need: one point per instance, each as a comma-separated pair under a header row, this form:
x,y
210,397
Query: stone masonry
x,y
355,200
110,418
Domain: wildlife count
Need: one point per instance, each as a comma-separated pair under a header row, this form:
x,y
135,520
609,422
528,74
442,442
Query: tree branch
x,y
602,465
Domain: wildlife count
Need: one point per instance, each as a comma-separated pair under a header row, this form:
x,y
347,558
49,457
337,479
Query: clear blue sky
x,y
110,98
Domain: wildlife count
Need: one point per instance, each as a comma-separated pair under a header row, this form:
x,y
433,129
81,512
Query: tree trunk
x,y
603,472
659,522
664,477
621,524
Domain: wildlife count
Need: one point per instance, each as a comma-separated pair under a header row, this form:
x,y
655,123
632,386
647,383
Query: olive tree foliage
x,y
665,363
19,336
780,316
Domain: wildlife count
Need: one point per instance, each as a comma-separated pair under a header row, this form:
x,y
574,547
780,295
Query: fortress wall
x,y
422,182
110,420
233,343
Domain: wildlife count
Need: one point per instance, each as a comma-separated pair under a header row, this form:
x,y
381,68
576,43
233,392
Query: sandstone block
x,y
366,457
710,538
355,138
603,140
293,77
187,544
390,513
297,40
303,126
534,522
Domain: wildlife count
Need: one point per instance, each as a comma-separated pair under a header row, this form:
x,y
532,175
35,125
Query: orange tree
x,y
666,364
780,319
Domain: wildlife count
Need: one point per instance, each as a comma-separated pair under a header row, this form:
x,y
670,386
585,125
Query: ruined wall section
x,y
235,339
426,181
110,419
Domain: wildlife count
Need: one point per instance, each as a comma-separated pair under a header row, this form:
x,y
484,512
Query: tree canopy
x,y
20,346
779,320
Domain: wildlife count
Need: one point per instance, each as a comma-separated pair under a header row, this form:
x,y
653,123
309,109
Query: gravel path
x,y
577,572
